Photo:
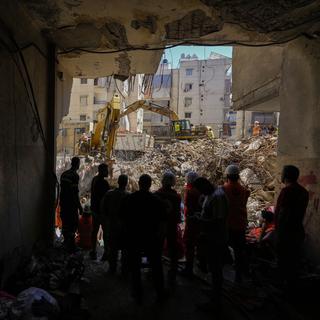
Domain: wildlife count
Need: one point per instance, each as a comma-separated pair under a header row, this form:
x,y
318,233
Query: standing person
x,y
191,208
172,201
70,203
99,187
143,217
238,218
256,130
213,222
289,214
111,210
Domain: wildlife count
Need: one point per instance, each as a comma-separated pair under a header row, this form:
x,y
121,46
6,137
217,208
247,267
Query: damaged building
x,y
44,44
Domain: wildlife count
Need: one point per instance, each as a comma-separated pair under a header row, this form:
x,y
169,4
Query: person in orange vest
x,y
85,229
256,130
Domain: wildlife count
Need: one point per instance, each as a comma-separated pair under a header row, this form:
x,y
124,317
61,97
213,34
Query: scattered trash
x,y
33,304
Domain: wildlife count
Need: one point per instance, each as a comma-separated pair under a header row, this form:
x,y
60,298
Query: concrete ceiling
x,y
130,26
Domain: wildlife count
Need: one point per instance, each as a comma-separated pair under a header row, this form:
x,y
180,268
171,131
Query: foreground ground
x,y
108,297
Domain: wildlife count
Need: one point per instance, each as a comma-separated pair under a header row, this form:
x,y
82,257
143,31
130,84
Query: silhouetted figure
x,y
144,215
289,214
70,203
112,211
237,218
191,208
213,222
99,187
172,202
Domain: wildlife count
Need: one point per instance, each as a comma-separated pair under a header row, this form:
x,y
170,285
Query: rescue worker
x,y
99,187
172,202
213,223
237,218
144,217
85,229
111,210
256,130
289,214
70,205
191,208
177,127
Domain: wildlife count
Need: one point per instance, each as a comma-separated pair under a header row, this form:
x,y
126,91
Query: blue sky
x,y
173,54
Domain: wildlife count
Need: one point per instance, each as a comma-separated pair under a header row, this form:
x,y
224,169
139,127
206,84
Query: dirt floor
x,y
108,297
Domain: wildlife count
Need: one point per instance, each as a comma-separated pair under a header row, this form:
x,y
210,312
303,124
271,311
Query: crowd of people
x,y
144,224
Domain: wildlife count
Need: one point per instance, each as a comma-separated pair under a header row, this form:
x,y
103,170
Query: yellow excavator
x,y
108,119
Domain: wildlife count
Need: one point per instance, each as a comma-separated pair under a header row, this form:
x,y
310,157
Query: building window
x,y
189,72
83,80
80,130
64,132
95,81
187,102
83,117
83,101
187,87
187,115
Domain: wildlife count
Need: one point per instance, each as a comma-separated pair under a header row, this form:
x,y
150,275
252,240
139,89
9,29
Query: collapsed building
x,y
46,43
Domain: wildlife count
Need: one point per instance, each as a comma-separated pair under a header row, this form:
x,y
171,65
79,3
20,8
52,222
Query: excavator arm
x,y
145,105
107,125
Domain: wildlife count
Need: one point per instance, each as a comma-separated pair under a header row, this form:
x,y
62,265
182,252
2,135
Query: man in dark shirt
x,y
70,203
144,216
99,187
213,224
192,206
111,210
289,214
172,202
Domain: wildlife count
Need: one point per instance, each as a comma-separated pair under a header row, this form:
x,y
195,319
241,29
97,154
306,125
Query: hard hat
x,y
232,170
256,122
191,176
168,179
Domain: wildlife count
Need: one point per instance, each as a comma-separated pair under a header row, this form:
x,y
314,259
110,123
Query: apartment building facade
x,y
203,89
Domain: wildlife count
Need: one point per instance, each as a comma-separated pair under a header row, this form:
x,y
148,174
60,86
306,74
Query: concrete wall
x,y
299,130
256,74
26,169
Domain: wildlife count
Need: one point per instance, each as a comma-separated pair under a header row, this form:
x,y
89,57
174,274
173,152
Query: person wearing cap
x,y
70,205
191,233
238,218
111,210
256,130
289,215
99,186
172,201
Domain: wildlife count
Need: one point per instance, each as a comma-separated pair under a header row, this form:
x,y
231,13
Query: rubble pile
x,y
52,269
256,158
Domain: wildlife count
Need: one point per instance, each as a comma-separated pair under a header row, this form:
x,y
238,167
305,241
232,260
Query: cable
x,y
189,42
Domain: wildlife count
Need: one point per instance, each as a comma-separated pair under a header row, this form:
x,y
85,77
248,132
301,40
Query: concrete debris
x,y
256,158
49,269
34,304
